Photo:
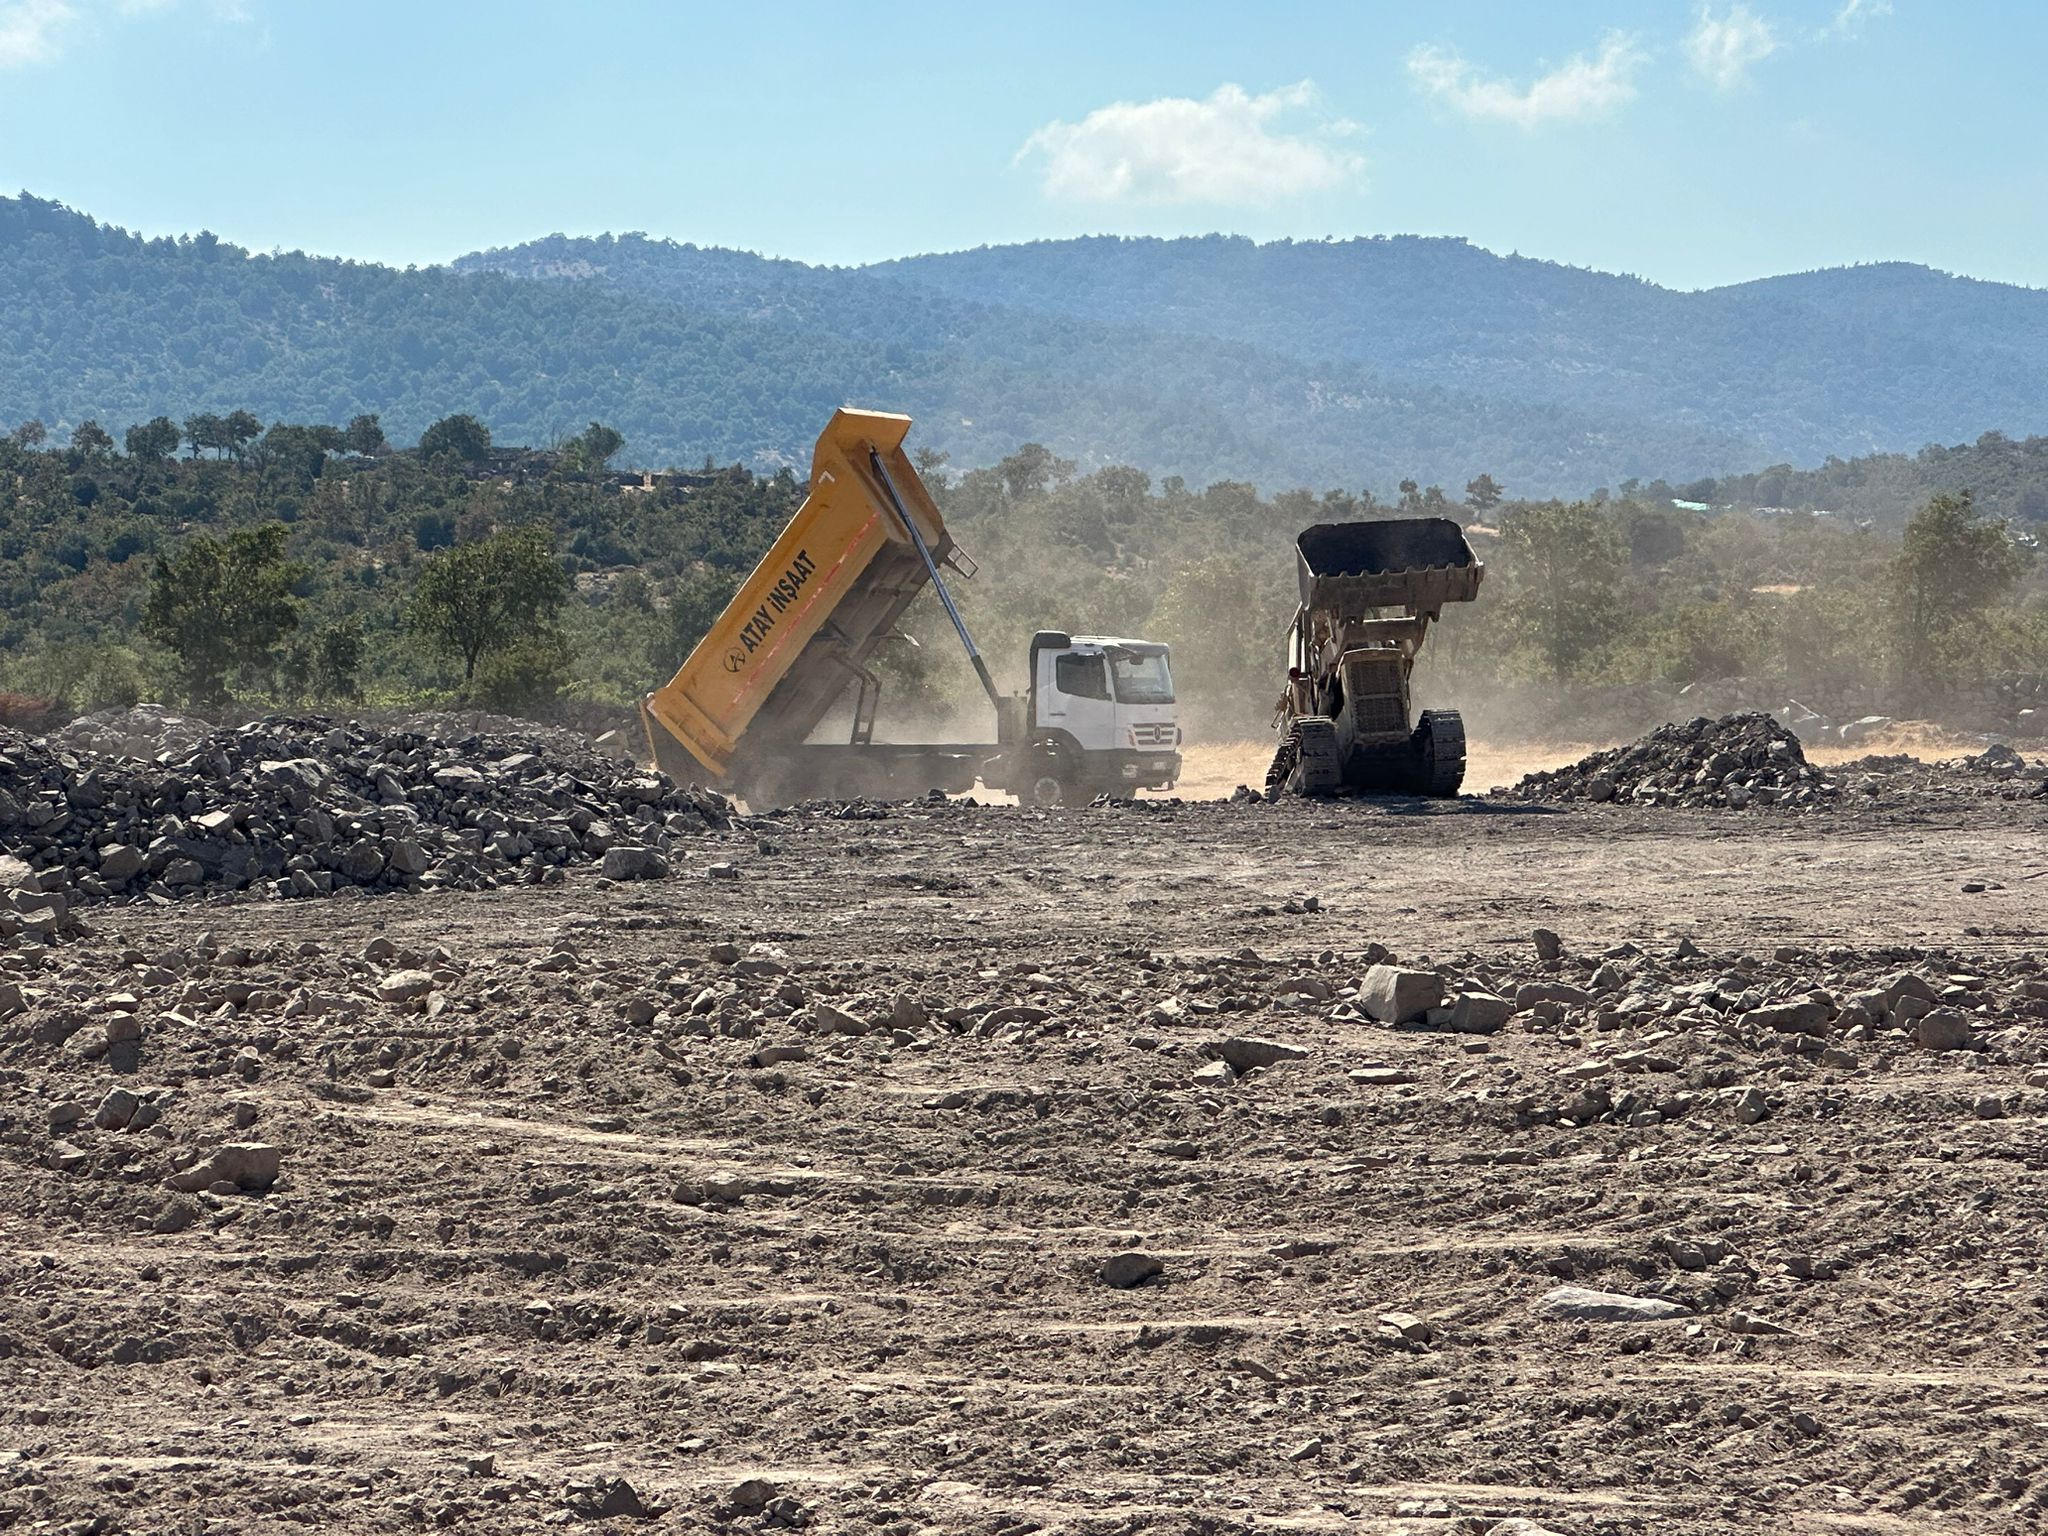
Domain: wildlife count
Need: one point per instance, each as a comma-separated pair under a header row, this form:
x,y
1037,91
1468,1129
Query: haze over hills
x,y
1343,363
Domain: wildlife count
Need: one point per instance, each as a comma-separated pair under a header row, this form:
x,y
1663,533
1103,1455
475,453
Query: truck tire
x,y
1048,789
1318,767
1437,754
1050,775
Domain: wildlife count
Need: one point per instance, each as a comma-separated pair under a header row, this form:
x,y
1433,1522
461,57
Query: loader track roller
x,y
1307,762
1438,764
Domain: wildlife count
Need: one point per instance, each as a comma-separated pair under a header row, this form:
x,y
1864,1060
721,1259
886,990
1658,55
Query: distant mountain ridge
x,y
1844,361
1314,364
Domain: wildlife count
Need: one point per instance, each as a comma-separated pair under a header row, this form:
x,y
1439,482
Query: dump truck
x,y
1369,592
799,640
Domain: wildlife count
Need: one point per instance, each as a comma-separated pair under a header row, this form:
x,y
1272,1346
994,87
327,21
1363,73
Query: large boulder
x,y
1394,995
628,861
247,1165
1576,1303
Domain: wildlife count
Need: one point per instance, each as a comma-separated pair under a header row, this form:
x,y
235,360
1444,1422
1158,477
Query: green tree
x,y
1564,567
339,659
326,665
30,434
292,455
92,441
527,674
205,430
1032,470
1953,565
593,447
699,598
1483,494
152,441
222,605
490,595
463,437
365,436
238,431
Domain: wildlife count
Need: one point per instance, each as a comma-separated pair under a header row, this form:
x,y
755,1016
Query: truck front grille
x,y
1154,735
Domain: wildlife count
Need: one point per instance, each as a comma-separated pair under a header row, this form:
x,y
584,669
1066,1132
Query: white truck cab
x,y
1102,718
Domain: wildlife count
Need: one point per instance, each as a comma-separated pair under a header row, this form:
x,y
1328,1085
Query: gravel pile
x,y
305,807
1998,772
142,732
1734,762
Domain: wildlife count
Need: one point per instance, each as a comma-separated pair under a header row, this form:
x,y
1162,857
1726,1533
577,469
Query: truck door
x,y
1074,696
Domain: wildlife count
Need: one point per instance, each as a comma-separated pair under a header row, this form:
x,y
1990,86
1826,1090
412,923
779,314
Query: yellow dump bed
x,y
799,630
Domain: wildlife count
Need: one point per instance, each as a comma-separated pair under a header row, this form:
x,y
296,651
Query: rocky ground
x,y
305,807
1380,1166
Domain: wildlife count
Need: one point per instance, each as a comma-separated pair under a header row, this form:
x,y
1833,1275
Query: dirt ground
x,y
603,1200
1211,770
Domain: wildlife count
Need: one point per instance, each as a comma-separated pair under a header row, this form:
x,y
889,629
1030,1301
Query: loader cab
x,y
1104,708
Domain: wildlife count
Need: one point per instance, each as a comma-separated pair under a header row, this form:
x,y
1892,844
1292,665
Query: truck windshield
x,y
1141,677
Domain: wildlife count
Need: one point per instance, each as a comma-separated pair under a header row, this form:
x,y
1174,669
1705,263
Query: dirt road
x,y
812,1229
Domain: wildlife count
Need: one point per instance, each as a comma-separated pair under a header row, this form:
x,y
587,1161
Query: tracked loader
x,y
1369,592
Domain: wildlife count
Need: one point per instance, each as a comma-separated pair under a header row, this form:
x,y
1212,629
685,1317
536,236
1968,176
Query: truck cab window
x,y
1142,677
1081,677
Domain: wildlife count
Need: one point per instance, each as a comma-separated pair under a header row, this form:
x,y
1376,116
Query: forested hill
x,y
1887,357
1358,364
1843,362
690,353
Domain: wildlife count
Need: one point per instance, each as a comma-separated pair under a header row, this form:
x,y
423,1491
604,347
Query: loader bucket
x,y
1415,563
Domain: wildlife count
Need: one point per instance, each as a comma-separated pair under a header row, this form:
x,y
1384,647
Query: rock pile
x,y
1734,762
140,732
1998,772
304,807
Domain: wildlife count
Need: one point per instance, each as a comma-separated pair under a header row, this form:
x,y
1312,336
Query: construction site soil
x,y
1382,1166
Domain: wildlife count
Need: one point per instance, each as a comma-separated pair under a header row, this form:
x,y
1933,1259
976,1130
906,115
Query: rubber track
x,y
1319,770
1442,773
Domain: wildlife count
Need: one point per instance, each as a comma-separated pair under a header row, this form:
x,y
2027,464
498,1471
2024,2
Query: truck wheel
x,y
1049,789
1437,754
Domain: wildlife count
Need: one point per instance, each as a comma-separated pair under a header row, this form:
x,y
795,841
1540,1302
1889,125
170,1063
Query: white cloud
x,y
1577,89
38,31
1850,18
1232,147
1722,50
31,31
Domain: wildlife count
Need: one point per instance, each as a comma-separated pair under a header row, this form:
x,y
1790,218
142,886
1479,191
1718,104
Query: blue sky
x,y
1693,145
